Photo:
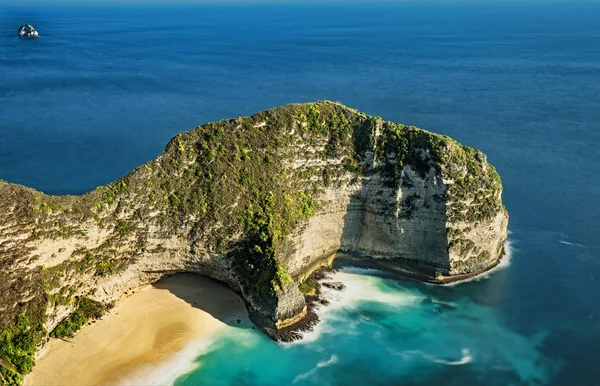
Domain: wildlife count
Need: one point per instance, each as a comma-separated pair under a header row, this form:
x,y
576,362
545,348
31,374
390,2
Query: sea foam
x,y
331,361
362,285
572,244
167,372
466,357
504,263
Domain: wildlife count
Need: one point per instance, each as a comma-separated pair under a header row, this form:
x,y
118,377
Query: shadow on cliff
x,y
208,295
367,248
385,225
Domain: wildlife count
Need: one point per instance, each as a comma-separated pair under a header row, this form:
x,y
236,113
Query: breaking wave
x,y
165,373
572,244
362,285
331,361
466,357
504,263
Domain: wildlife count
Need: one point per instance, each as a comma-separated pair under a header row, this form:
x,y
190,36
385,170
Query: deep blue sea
x,y
104,88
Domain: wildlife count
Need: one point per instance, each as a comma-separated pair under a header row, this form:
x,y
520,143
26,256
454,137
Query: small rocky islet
x,y
27,31
258,203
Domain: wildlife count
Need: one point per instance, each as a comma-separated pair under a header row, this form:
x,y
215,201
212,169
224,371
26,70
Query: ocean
x,y
104,88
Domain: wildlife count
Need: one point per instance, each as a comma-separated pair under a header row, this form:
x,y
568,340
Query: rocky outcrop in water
x,y
257,203
336,285
27,31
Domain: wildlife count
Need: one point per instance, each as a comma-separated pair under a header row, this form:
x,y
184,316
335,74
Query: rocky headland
x,y
258,203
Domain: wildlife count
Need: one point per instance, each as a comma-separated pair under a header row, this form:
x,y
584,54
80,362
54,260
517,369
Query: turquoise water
x,y
383,331
104,89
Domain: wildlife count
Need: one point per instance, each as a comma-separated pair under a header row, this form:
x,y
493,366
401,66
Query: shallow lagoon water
x,y
104,89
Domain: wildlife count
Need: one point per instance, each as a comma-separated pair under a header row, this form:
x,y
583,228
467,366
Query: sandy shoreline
x,y
144,330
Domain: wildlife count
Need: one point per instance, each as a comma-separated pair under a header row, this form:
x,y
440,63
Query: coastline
x,y
151,328
411,270
296,328
143,331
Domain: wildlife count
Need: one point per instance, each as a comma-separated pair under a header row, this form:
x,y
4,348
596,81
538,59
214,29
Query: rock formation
x,y
27,31
257,203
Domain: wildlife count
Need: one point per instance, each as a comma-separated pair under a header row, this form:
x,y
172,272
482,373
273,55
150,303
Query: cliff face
x,y
257,203
424,206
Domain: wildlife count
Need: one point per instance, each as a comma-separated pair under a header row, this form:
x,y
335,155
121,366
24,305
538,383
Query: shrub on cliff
x,y
18,344
88,309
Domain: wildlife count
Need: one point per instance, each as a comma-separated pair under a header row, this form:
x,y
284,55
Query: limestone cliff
x,y
256,203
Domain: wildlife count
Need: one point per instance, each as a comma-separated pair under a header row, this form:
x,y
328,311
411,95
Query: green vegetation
x,y
400,146
87,309
255,259
52,205
475,194
123,227
309,287
18,344
232,179
461,245
109,196
180,147
474,186
106,266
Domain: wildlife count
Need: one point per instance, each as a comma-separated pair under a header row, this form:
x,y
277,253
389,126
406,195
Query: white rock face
x,y
393,224
406,222
488,244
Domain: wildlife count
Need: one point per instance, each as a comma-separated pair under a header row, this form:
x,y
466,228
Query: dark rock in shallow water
x,y
335,285
27,31
294,332
323,273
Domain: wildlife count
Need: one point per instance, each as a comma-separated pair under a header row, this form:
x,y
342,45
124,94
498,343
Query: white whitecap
x,y
331,361
362,285
306,375
466,357
186,360
450,304
572,244
165,373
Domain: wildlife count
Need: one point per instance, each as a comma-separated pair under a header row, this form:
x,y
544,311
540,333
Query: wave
x,y
449,304
167,372
331,361
362,285
362,271
465,358
572,244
